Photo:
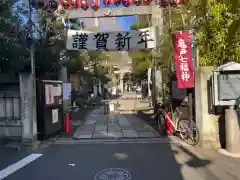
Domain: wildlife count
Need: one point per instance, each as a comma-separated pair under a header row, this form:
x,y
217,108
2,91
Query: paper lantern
x,y
74,3
126,3
137,2
117,2
65,3
84,4
106,2
147,2
95,6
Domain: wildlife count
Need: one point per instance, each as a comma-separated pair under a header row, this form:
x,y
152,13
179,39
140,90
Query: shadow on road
x,y
142,160
144,157
194,161
146,115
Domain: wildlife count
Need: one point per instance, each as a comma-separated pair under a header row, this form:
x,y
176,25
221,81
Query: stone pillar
x,y
121,82
232,131
95,89
28,107
63,76
100,87
206,121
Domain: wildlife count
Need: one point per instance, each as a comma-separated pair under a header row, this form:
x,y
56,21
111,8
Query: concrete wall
x,y
207,121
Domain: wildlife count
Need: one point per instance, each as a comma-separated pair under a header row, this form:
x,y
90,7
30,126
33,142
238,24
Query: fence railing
x,y
10,106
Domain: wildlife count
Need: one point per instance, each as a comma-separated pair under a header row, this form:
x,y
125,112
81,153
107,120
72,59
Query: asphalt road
x,y
124,161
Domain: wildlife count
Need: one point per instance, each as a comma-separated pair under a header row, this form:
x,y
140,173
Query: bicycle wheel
x,y
188,132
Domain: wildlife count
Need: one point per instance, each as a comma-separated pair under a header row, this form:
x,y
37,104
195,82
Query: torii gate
x,y
153,10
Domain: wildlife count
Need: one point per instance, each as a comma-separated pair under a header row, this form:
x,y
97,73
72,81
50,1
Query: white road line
x,y
18,165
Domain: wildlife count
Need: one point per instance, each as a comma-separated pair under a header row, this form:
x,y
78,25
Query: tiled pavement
x,y
98,125
129,101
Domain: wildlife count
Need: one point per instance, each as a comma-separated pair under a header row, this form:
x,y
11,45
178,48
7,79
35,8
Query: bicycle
x,y
184,129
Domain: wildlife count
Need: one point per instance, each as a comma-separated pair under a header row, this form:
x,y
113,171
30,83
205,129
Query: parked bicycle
x,y
183,128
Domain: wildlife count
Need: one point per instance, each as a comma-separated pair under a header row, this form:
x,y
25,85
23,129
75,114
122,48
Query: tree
x,y
141,60
216,27
49,45
217,32
235,25
175,19
77,62
13,41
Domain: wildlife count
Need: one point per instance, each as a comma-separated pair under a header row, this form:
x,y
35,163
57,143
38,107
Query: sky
x,y
124,22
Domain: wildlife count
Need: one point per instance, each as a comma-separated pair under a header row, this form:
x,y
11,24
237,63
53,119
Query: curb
x,y
226,153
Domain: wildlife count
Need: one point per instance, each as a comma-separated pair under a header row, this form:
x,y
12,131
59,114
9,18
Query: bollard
x,y
232,131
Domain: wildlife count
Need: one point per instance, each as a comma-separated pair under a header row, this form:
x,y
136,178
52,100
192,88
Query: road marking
x,y
18,165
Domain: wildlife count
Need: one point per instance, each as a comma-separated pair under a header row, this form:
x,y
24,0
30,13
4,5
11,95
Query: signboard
x,y
57,91
49,94
225,83
149,81
182,47
53,93
229,86
111,41
54,115
67,91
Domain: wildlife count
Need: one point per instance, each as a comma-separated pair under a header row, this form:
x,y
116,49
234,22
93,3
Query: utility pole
x,y
157,23
189,90
32,46
28,90
63,76
33,78
154,98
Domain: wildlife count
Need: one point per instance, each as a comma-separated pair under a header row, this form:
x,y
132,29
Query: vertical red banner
x,y
182,49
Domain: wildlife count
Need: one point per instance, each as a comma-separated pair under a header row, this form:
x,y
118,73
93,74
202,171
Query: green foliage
x,y
175,19
143,21
216,27
141,60
15,56
50,44
13,51
216,24
77,61
215,46
97,63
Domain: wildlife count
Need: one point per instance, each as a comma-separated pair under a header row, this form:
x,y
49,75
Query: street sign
x,y
111,41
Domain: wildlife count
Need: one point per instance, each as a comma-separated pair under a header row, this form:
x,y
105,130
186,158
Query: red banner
x,y
182,49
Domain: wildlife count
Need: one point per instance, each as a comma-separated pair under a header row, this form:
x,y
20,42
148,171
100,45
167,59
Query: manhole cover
x,y
113,174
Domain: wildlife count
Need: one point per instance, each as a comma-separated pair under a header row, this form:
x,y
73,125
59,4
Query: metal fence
x,y
10,106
